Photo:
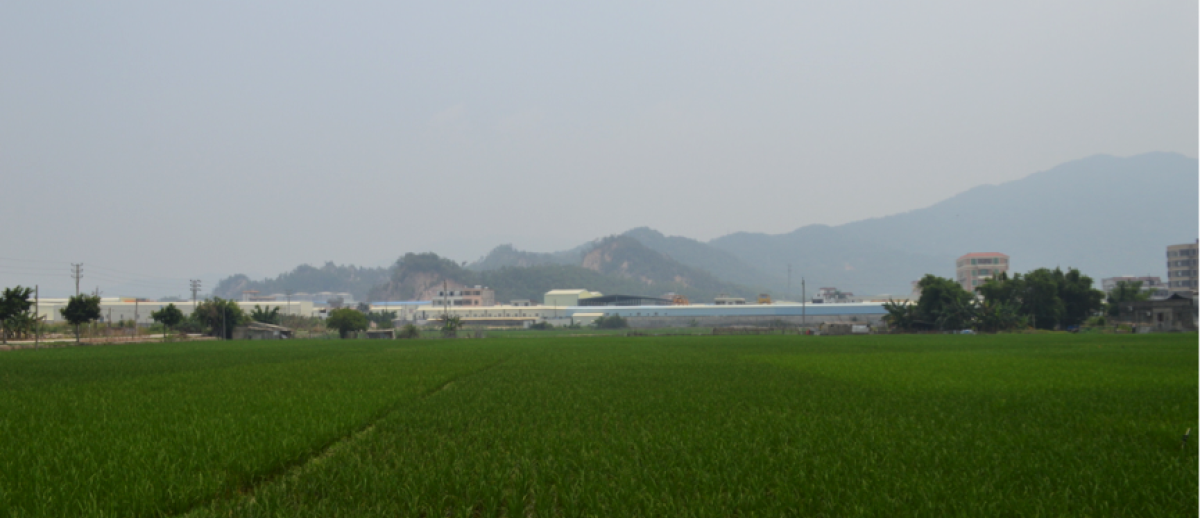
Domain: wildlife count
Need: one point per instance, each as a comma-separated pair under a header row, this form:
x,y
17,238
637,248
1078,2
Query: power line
x,y
33,268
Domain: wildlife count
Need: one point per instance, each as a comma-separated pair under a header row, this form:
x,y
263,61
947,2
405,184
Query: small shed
x,y
261,331
1174,313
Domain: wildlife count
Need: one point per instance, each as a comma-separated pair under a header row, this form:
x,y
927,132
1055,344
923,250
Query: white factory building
x,y
562,307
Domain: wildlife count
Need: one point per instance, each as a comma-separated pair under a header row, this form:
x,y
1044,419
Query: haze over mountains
x,y
1105,215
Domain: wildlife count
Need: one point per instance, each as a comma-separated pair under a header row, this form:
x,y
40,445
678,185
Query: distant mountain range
x,y
1104,215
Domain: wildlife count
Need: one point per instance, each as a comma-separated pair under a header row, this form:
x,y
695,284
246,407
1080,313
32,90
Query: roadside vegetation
x,y
1019,425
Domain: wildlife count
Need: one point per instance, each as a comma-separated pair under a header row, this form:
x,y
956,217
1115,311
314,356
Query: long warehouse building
x,y
666,316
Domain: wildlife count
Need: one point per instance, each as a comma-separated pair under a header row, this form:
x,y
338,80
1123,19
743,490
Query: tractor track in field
x,y
327,450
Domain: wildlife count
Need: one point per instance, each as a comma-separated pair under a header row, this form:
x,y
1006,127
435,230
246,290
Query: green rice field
x,y
529,425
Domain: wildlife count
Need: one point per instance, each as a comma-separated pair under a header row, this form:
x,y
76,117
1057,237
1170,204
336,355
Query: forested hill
x,y
614,265
505,255
659,258
627,258
705,257
351,279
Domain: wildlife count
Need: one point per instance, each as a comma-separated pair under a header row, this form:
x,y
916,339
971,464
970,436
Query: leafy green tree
x,y
901,317
1040,300
995,316
383,319
80,310
1046,298
611,322
959,314
944,303
219,316
265,316
409,331
1002,288
346,321
169,316
14,304
21,325
1080,300
1125,292
451,325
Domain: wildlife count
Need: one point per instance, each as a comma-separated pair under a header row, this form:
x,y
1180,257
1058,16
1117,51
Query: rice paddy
x,y
1031,425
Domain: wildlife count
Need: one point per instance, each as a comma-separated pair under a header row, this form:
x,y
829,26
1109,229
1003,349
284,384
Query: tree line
x,y
1041,299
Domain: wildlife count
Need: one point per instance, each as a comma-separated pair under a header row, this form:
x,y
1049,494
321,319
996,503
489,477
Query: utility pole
x,y
77,273
37,319
195,283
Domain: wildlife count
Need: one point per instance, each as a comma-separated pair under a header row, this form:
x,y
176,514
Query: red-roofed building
x,y
973,269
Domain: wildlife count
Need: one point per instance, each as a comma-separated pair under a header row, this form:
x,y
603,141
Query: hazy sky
x,y
158,142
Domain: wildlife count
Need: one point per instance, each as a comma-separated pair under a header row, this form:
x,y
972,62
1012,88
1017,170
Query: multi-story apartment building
x,y
972,270
1181,268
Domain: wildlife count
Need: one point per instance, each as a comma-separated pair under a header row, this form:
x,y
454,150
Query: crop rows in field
x,y
151,429
608,426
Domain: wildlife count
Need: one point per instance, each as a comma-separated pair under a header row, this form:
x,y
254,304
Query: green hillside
x,y
355,280
618,266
